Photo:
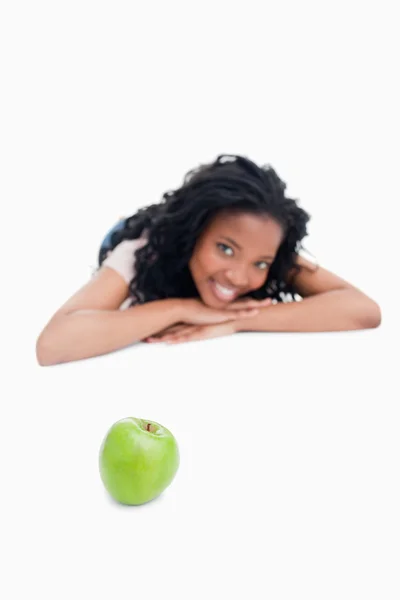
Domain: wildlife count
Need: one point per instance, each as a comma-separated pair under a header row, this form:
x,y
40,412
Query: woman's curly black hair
x,y
172,227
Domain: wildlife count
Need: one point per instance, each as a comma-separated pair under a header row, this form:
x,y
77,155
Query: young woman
x,y
219,255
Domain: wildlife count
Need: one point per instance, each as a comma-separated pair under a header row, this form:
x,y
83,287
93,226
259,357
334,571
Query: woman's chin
x,y
210,300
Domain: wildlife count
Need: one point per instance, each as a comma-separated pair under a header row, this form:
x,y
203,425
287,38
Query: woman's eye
x,y
263,265
225,248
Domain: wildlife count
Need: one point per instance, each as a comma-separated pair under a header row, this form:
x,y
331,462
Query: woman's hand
x,y
189,333
185,332
247,302
195,312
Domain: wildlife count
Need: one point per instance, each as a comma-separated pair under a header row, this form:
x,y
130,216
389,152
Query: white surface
x,y
289,479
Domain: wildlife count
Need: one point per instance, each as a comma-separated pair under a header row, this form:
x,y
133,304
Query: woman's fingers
x,y
172,329
171,333
245,312
249,303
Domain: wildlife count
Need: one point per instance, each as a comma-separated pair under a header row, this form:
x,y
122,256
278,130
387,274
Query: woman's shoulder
x,y
122,257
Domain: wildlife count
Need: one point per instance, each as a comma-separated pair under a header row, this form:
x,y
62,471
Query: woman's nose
x,y
238,277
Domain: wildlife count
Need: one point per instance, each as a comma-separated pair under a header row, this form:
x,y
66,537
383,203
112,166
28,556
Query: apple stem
x,y
148,427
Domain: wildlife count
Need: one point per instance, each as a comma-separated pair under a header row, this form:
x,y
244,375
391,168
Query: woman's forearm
x,y
88,333
337,310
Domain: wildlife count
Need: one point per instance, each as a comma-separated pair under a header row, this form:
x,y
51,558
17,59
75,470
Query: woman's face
x,y
233,255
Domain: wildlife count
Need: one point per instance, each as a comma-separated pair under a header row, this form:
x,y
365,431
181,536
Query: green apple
x,y
138,460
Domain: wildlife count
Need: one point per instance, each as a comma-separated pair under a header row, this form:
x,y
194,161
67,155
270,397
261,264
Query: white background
x,y
289,479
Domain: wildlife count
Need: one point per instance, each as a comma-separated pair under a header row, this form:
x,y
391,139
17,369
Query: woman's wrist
x,y
178,308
